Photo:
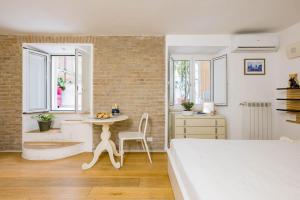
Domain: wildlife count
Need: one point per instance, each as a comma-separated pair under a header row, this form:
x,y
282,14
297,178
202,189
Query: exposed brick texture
x,y
128,71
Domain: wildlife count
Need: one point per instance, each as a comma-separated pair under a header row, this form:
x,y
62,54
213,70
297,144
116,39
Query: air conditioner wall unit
x,y
255,43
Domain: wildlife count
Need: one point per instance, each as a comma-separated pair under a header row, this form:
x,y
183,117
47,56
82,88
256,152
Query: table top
x,y
107,121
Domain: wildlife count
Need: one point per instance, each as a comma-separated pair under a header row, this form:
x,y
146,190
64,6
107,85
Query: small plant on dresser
x,y
187,105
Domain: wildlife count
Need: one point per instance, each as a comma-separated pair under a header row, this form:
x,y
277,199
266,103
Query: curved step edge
x,y
52,153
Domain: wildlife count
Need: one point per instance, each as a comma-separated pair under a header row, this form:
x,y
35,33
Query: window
x,y
202,81
56,82
67,86
190,80
63,79
181,80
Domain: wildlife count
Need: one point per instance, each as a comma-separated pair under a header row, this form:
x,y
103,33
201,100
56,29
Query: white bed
x,y
234,169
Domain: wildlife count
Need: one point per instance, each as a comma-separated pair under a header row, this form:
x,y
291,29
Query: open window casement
x,y
82,80
36,82
171,81
220,80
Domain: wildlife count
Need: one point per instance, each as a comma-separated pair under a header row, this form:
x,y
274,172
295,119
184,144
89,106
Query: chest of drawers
x,y
199,126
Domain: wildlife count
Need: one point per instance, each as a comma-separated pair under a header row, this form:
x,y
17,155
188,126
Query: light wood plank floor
x,y
64,179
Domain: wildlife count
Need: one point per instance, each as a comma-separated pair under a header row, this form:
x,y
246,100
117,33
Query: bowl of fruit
x,y
103,115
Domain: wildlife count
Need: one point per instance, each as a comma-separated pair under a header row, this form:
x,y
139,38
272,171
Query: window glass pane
x,y
181,81
220,80
37,82
63,82
202,87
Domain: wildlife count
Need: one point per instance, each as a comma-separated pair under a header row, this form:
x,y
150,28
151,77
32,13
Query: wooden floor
x,y
64,179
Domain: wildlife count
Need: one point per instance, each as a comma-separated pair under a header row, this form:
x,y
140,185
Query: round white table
x,y
106,143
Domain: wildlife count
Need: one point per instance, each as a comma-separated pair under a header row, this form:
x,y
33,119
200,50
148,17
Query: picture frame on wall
x,y
254,66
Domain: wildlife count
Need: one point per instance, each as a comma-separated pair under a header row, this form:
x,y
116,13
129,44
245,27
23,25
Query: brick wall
x,y
128,71
10,94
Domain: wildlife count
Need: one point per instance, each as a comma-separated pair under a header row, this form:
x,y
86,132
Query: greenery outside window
x,y
189,80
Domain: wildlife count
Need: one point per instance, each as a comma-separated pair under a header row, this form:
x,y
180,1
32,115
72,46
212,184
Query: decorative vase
x,y
187,112
44,126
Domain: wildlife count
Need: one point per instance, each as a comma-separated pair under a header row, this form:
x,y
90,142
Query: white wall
x,y
243,88
262,88
284,67
253,88
198,40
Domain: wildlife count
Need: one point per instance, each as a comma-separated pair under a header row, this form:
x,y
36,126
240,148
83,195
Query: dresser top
x,y
202,116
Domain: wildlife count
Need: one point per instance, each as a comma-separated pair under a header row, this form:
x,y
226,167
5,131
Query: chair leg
x,y
121,151
147,149
142,141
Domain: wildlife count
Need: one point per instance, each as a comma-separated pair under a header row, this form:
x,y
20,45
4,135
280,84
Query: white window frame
x,y
85,87
86,80
53,87
88,49
210,78
225,83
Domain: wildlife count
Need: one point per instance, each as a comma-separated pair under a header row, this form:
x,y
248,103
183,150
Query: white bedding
x,y
238,169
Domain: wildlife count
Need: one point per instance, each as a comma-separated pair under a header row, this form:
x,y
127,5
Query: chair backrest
x,y
144,119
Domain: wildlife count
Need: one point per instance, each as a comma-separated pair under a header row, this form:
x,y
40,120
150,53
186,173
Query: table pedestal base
x,y
105,144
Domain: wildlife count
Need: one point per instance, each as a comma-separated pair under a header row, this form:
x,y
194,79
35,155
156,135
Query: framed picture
x,y
254,66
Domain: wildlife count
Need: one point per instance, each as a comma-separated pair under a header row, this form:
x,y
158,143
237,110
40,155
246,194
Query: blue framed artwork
x,y
254,66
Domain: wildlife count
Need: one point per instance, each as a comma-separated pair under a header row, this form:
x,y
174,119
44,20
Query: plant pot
x,y
44,126
187,112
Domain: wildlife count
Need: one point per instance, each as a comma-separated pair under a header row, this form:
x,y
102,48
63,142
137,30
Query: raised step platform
x,y
51,135
51,150
52,131
71,137
48,145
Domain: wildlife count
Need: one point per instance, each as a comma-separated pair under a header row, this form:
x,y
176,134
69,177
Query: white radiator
x,y
257,120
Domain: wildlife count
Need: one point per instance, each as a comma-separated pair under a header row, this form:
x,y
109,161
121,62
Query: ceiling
x,y
146,17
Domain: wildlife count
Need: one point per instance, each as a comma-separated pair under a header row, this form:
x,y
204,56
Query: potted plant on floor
x,y
44,121
187,105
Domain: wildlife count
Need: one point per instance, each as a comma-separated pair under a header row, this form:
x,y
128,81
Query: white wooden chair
x,y
139,135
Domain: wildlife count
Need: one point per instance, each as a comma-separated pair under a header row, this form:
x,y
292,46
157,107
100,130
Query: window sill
x,y
69,112
178,108
57,113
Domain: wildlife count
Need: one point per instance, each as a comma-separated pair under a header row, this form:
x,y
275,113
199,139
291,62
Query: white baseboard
x,y
142,151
